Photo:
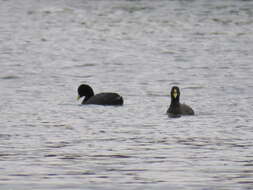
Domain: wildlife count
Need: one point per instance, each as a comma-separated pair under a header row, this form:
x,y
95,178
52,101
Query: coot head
x,y
175,93
85,90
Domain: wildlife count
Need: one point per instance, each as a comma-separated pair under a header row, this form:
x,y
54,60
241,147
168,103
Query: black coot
x,y
106,98
177,109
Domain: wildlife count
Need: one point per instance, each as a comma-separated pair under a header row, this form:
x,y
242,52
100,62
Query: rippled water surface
x,y
140,49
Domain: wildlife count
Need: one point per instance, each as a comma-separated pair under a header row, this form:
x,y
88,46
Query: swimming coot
x,y
177,109
106,98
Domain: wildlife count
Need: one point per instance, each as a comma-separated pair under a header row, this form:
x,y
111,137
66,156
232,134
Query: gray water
x,y
140,49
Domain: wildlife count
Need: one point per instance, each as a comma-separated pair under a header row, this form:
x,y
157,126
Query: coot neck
x,y
175,101
174,108
86,98
89,95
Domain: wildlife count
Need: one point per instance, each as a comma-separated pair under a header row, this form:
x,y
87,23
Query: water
x,y
139,49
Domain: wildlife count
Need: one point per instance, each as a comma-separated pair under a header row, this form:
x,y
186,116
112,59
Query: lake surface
x,y
140,49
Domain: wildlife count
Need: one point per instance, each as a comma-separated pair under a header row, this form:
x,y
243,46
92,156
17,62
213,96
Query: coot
x,y
177,109
106,98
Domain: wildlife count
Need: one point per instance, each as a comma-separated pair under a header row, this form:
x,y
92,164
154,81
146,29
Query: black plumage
x,y
106,98
177,109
